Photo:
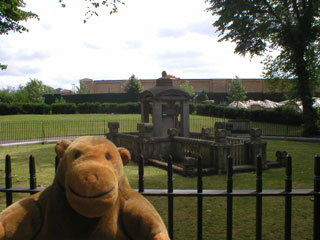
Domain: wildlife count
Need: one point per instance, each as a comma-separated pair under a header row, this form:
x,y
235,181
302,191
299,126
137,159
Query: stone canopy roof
x,y
165,91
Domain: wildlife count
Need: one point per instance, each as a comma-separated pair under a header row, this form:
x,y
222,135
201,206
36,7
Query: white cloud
x,y
144,38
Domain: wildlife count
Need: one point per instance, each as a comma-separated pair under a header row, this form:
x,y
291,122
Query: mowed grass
x,y
214,211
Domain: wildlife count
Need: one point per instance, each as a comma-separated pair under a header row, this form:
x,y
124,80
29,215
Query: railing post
x,y
104,128
43,133
170,196
229,198
200,199
255,146
56,163
113,131
259,199
8,180
141,173
288,201
316,206
32,171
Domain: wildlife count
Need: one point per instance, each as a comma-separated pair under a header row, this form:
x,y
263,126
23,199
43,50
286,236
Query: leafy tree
x,y
11,14
188,88
82,89
7,95
133,85
290,29
200,97
60,100
35,89
237,91
31,93
110,5
20,95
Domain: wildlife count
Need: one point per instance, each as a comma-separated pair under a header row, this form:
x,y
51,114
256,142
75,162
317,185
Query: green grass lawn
x,y
214,211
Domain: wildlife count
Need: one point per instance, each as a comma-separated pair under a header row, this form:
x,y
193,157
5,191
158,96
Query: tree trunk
x,y
309,118
304,89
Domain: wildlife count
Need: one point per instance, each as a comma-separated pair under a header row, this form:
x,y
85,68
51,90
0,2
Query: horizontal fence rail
x,y
229,193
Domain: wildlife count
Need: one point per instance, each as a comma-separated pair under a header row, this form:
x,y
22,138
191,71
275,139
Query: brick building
x,y
208,85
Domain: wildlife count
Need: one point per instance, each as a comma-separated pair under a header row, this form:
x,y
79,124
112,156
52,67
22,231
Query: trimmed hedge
x,y
126,108
63,108
24,108
10,109
93,98
89,108
277,115
192,108
36,108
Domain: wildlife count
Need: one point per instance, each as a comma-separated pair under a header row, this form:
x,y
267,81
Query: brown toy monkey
x,y
90,198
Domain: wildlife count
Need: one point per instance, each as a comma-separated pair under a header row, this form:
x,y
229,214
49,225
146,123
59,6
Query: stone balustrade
x,y
214,148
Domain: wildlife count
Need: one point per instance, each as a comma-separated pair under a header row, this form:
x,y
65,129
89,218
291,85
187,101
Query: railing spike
x,y
32,171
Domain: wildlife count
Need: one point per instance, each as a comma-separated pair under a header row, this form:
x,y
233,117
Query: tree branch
x,y
295,8
304,4
271,10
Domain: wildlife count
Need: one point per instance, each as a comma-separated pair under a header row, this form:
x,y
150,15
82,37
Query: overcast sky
x,y
144,38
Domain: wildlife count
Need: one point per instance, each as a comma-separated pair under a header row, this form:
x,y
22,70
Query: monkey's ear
x,y
61,147
125,155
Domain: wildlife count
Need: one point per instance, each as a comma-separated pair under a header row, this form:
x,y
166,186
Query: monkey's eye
x,y
77,154
107,156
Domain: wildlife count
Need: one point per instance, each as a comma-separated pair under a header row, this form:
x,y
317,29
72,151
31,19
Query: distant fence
x,y
51,130
259,193
47,130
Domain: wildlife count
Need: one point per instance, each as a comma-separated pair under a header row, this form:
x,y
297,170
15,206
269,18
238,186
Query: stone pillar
x,y
144,145
113,131
145,130
206,133
281,157
240,125
144,112
221,149
157,118
255,146
173,132
185,128
224,125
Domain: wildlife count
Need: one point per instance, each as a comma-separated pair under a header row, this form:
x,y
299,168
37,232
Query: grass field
x,y
214,208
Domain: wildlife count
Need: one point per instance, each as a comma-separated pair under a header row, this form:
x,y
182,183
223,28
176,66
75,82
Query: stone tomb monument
x,y
168,132
170,108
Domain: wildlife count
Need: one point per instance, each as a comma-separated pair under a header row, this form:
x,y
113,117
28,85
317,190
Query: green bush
x,y
63,108
89,107
108,107
123,108
129,108
192,108
10,109
35,108
277,115
4,109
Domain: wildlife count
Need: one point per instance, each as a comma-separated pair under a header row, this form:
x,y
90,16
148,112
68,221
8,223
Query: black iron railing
x,y
229,193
